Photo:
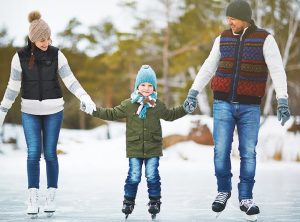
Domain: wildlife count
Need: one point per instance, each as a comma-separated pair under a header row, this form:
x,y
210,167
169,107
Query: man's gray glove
x,y
190,103
283,112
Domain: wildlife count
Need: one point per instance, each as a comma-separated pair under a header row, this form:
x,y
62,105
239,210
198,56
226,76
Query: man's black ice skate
x,y
154,208
220,202
128,206
249,207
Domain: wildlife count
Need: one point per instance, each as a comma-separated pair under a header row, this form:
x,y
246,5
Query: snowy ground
x,y
93,171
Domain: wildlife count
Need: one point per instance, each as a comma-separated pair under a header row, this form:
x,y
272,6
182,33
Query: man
x,y
238,64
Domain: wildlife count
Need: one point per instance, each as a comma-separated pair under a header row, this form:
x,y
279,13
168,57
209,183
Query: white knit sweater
x,y
36,107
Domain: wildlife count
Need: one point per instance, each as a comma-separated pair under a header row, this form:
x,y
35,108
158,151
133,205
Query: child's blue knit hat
x,y
146,74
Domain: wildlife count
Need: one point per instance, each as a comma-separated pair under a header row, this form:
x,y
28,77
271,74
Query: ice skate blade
x,y
251,217
126,216
49,213
32,216
218,214
153,216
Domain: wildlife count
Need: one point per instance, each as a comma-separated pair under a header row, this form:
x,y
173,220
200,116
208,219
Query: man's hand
x,y
283,112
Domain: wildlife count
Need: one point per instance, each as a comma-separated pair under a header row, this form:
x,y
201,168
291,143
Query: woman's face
x,y
43,44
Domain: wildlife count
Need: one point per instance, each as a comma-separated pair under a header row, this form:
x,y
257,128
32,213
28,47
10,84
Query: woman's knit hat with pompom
x,y
38,28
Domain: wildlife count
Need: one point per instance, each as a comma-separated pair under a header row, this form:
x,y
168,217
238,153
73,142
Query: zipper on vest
x,y
235,78
40,81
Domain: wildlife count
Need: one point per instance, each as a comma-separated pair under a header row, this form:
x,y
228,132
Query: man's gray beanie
x,y
239,9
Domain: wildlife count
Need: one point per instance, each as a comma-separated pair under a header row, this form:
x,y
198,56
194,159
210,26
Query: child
x,y
143,112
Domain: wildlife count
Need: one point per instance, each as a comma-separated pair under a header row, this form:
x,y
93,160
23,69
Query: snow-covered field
x,y
93,171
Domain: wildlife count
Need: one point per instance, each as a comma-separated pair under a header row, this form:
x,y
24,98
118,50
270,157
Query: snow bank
x,y
274,139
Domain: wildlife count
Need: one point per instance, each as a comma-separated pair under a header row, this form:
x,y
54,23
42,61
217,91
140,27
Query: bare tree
x,y
202,97
293,26
4,38
167,4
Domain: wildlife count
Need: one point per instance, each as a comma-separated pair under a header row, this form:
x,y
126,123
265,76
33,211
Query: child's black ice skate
x,y
154,208
220,202
249,207
128,206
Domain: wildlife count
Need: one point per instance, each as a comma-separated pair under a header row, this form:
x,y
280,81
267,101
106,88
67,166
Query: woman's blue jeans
x,y
42,131
247,120
134,177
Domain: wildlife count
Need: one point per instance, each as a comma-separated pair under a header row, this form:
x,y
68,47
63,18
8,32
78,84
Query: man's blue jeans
x,y
247,120
134,177
42,131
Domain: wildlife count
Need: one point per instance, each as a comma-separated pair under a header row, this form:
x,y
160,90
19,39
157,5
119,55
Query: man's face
x,y
236,25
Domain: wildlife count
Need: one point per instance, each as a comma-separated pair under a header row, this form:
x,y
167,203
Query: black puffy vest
x,y
41,81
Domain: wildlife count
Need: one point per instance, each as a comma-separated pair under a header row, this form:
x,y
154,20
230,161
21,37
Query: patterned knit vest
x,y
242,72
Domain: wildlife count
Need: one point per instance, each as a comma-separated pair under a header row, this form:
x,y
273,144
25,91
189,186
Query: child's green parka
x,y
143,136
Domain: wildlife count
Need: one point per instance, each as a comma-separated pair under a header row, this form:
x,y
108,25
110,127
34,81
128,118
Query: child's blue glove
x,y
190,103
283,112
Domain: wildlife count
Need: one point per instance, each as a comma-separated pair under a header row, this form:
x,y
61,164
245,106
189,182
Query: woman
x,y
35,70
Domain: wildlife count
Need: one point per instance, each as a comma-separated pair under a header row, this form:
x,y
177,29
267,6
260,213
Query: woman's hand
x,y
87,105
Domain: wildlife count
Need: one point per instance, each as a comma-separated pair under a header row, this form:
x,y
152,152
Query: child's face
x,y
146,89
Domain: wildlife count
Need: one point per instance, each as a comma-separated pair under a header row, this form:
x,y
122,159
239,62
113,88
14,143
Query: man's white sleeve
x,y
208,68
274,62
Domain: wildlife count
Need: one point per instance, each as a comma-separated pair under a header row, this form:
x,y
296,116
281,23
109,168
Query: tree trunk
x,y
293,26
82,122
109,95
202,97
203,103
166,56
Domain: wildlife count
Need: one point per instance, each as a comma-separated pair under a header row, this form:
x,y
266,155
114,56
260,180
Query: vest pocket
x,y
251,88
133,138
46,62
157,138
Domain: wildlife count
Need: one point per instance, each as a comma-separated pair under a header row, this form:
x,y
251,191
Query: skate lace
x,y
222,197
50,196
33,196
128,202
248,203
154,203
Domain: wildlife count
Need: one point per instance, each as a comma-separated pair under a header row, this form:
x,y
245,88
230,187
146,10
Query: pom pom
x,y
34,15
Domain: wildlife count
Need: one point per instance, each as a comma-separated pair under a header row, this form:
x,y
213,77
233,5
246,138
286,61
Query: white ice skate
x,y
33,198
50,205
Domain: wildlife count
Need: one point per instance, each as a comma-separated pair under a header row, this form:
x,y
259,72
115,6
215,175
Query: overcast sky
x,y
14,13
